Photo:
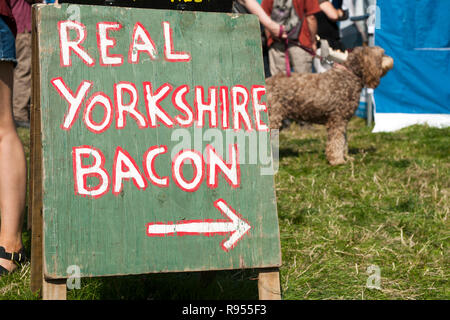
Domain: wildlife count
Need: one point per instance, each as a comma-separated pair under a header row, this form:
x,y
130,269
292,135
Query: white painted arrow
x,y
235,225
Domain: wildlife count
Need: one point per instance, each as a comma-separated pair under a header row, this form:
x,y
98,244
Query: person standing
x,y
254,7
304,34
327,27
21,10
328,32
12,156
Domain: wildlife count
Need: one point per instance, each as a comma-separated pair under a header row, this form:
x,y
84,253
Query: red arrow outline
x,y
229,220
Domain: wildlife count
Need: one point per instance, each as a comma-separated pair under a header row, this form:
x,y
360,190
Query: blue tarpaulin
x,y
416,33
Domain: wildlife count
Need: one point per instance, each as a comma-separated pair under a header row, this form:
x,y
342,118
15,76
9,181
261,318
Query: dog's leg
x,y
346,156
276,116
336,141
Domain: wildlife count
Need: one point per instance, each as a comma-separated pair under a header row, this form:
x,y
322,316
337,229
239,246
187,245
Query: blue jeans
x,y
7,43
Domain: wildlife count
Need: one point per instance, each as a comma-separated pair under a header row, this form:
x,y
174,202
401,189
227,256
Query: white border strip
x,y
432,49
388,122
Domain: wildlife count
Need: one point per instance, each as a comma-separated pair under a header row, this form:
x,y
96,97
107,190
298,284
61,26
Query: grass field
x,y
386,210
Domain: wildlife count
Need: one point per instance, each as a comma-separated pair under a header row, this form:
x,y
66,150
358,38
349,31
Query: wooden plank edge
x,y
269,287
35,202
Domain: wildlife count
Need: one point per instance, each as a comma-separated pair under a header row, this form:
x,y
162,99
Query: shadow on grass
x,y
362,150
228,285
288,152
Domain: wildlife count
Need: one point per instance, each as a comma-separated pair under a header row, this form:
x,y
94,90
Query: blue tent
x,y
416,33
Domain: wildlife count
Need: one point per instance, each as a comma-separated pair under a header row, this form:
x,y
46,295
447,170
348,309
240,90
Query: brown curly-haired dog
x,y
329,98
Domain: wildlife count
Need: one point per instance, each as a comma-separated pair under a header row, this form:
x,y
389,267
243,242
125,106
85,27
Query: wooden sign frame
x,y
206,5
55,288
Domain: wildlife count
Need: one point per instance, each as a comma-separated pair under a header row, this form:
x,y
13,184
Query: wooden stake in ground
x,y
269,284
35,180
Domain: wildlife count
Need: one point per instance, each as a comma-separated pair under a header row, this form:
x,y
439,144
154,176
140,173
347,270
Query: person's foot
x,y
8,264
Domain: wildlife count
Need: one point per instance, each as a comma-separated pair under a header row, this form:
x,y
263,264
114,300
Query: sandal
x,y
17,257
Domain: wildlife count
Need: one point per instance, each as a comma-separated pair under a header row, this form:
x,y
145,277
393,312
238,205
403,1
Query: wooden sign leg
x,y
36,252
54,289
269,284
35,182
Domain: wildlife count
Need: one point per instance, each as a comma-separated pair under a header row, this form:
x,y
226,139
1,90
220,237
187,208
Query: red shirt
x,y
6,13
303,8
21,11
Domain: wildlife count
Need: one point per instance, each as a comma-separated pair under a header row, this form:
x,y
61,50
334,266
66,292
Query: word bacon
x,y
126,168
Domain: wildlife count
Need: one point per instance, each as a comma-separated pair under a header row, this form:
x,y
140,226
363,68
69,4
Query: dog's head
x,y
369,63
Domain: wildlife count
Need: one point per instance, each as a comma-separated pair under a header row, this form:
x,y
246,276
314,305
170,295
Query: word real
x,y
141,42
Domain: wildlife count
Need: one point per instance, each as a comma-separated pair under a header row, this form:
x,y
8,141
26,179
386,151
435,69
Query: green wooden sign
x,y
156,153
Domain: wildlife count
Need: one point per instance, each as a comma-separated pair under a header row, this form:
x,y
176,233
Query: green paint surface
x,y
107,235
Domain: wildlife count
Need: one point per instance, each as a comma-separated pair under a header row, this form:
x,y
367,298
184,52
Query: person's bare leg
x,y
12,171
